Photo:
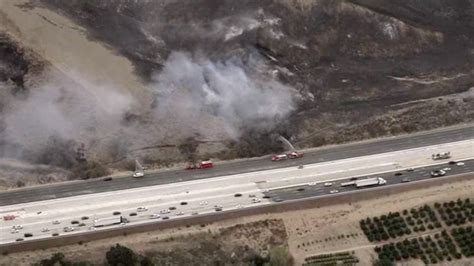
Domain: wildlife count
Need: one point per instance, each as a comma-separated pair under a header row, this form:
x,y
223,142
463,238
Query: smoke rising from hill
x,y
192,89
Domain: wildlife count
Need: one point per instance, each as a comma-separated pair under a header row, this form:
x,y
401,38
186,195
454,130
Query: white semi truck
x,y
374,181
109,221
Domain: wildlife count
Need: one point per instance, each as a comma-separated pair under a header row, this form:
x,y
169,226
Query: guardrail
x,y
298,204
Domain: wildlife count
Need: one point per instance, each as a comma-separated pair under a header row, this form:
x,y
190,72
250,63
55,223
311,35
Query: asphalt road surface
x,y
396,177
328,154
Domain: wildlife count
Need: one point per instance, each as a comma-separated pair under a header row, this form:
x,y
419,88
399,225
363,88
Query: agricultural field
x,y
439,233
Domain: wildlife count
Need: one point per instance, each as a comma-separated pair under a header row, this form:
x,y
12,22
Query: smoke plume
x,y
193,90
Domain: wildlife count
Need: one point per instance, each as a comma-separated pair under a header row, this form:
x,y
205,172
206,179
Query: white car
x,y
239,206
180,214
328,184
17,227
165,211
142,209
155,216
138,174
460,164
44,230
92,228
203,203
68,229
446,169
256,200
14,231
312,184
334,191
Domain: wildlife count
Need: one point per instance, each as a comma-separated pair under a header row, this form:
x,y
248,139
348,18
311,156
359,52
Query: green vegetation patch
x,y
341,258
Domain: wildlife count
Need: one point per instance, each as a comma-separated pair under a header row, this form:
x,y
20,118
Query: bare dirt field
x,y
305,232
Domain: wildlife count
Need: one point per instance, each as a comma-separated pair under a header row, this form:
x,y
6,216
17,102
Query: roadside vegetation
x,y
426,237
341,258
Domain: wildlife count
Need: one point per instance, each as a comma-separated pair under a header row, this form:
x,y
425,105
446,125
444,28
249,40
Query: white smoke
x,y
193,90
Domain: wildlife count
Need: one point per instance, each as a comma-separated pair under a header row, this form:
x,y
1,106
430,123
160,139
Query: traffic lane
x,y
176,211
304,191
329,154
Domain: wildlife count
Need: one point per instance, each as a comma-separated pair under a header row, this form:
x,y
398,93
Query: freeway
x,y
70,189
144,205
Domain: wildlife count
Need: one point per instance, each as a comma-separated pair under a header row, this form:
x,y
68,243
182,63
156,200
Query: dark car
x,y
452,162
108,179
183,203
172,208
133,214
353,179
398,174
237,195
116,213
28,234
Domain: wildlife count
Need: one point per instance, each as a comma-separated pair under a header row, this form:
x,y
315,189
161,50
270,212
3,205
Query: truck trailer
x,y
375,181
109,221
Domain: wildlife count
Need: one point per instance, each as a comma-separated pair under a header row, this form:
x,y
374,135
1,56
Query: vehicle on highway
x,y
334,191
280,157
27,234
441,155
201,165
155,216
74,222
374,181
19,239
203,203
460,164
172,208
353,178
252,196
239,206
44,230
68,229
183,203
327,184
92,228
278,200
165,211
256,200
81,225
14,231
295,155
165,218
398,174
300,166
56,222
438,173
116,213
312,184
348,184
446,169
108,221
107,179
180,214
17,227
410,169
452,162
9,217
237,195
195,213
142,209
139,170
406,180
218,209
85,218
133,214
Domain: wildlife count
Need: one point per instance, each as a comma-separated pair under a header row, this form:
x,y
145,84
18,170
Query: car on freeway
x,y
218,209
68,229
312,184
165,211
452,162
74,222
353,179
280,157
334,191
81,224
203,203
237,195
14,231
398,174
55,234
142,209
17,227
266,197
155,216
406,180
27,234
300,166
256,200
108,179
180,214
437,173
133,214
327,184
172,208
446,169
84,218
278,200
295,155
195,213
116,213
410,169
19,239
266,190
44,230
165,218
460,164
239,206
252,196
56,222
183,203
